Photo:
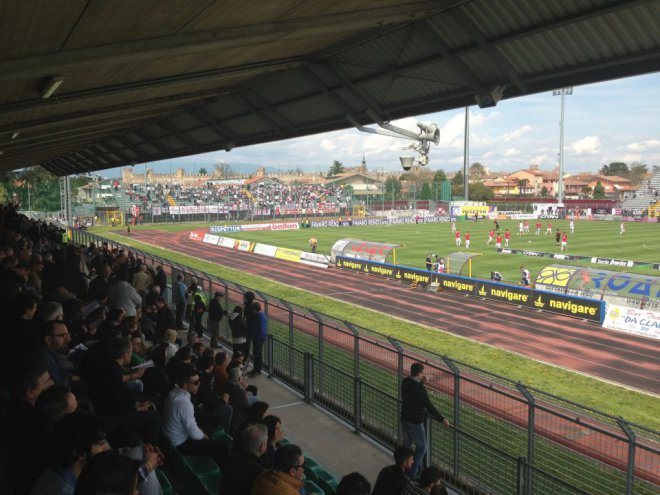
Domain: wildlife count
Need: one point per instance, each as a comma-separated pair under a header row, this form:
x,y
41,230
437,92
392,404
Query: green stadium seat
x,y
210,483
201,465
312,488
328,482
165,484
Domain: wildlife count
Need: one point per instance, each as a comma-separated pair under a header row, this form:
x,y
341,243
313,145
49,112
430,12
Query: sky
x,y
617,120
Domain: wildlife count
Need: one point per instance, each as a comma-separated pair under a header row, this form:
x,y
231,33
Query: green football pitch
x,y
641,242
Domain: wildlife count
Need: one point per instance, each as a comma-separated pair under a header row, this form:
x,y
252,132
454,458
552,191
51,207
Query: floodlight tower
x,y
561,92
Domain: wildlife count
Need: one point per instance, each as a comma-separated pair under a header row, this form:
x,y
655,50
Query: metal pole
x,y
27,183
632,439
560,183
466,154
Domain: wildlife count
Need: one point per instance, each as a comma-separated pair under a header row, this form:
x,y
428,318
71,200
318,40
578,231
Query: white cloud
x,y
517,134
587,145
644,145
512,152
328,145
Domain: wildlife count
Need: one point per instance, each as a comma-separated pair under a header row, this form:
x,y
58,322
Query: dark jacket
x,y
239,473
415,402
206,397
215,310
390,481
238,326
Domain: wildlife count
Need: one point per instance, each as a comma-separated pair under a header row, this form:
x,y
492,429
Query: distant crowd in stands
x,y
270,195
99,389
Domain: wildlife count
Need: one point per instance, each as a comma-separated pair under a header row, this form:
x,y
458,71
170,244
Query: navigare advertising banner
x,y
569,306
505,293
546,301
632,320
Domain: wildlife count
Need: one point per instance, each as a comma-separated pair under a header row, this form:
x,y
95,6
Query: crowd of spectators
x,y
273,196
99,388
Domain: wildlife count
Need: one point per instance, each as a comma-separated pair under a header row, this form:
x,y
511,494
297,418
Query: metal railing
x,y
505,438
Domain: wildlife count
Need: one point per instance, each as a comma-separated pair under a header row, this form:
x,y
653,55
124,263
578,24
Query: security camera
x,y
407,162
229,145
489,99
429,132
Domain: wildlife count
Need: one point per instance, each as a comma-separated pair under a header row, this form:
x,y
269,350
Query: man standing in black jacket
x,y
415,405
215,317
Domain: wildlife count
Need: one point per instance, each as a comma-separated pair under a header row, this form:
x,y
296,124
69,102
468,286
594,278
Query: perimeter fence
x,y
505,437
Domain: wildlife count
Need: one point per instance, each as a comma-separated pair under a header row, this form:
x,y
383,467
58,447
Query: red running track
x,y
563,341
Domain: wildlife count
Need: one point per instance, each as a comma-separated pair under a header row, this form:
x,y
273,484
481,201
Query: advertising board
x,y
227,242
244,245
288,254
214,229
265,250
632,320
547,301
314,259
211,239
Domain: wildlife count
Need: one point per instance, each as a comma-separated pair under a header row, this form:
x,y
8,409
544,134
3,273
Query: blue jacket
x,y
261,327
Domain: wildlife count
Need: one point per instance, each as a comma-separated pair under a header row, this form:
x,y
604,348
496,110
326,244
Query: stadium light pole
x,y
466,155
560,185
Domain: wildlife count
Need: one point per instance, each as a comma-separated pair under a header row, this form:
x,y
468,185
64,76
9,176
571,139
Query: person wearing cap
x,y
216,312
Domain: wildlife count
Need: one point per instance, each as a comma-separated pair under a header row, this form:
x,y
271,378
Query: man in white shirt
x,y
179,422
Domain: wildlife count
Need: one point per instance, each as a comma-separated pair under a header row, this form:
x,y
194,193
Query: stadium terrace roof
x,y
89,85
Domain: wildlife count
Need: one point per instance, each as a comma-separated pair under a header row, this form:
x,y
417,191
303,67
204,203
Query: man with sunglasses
x,y
180,425
286,476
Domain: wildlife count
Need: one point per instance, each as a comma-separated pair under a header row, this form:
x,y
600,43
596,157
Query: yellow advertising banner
x,y
287,254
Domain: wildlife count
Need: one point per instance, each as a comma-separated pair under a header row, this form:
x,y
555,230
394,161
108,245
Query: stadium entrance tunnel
x,y
620,288
460,263
364,250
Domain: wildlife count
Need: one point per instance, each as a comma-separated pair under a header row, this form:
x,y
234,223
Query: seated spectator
x,y
53,404
56,345
219,372
76,438
238,397
171,346
430,478
180,425
212,409
242,467
112,398
392,479
254,415
181,360
123,295
286,476
275,434
28,381
106,473
198,351
353,484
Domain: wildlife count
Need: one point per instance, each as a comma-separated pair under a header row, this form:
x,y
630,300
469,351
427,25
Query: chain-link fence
x,y
505,437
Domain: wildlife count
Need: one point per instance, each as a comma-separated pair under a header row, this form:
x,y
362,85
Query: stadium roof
x,y
87,85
